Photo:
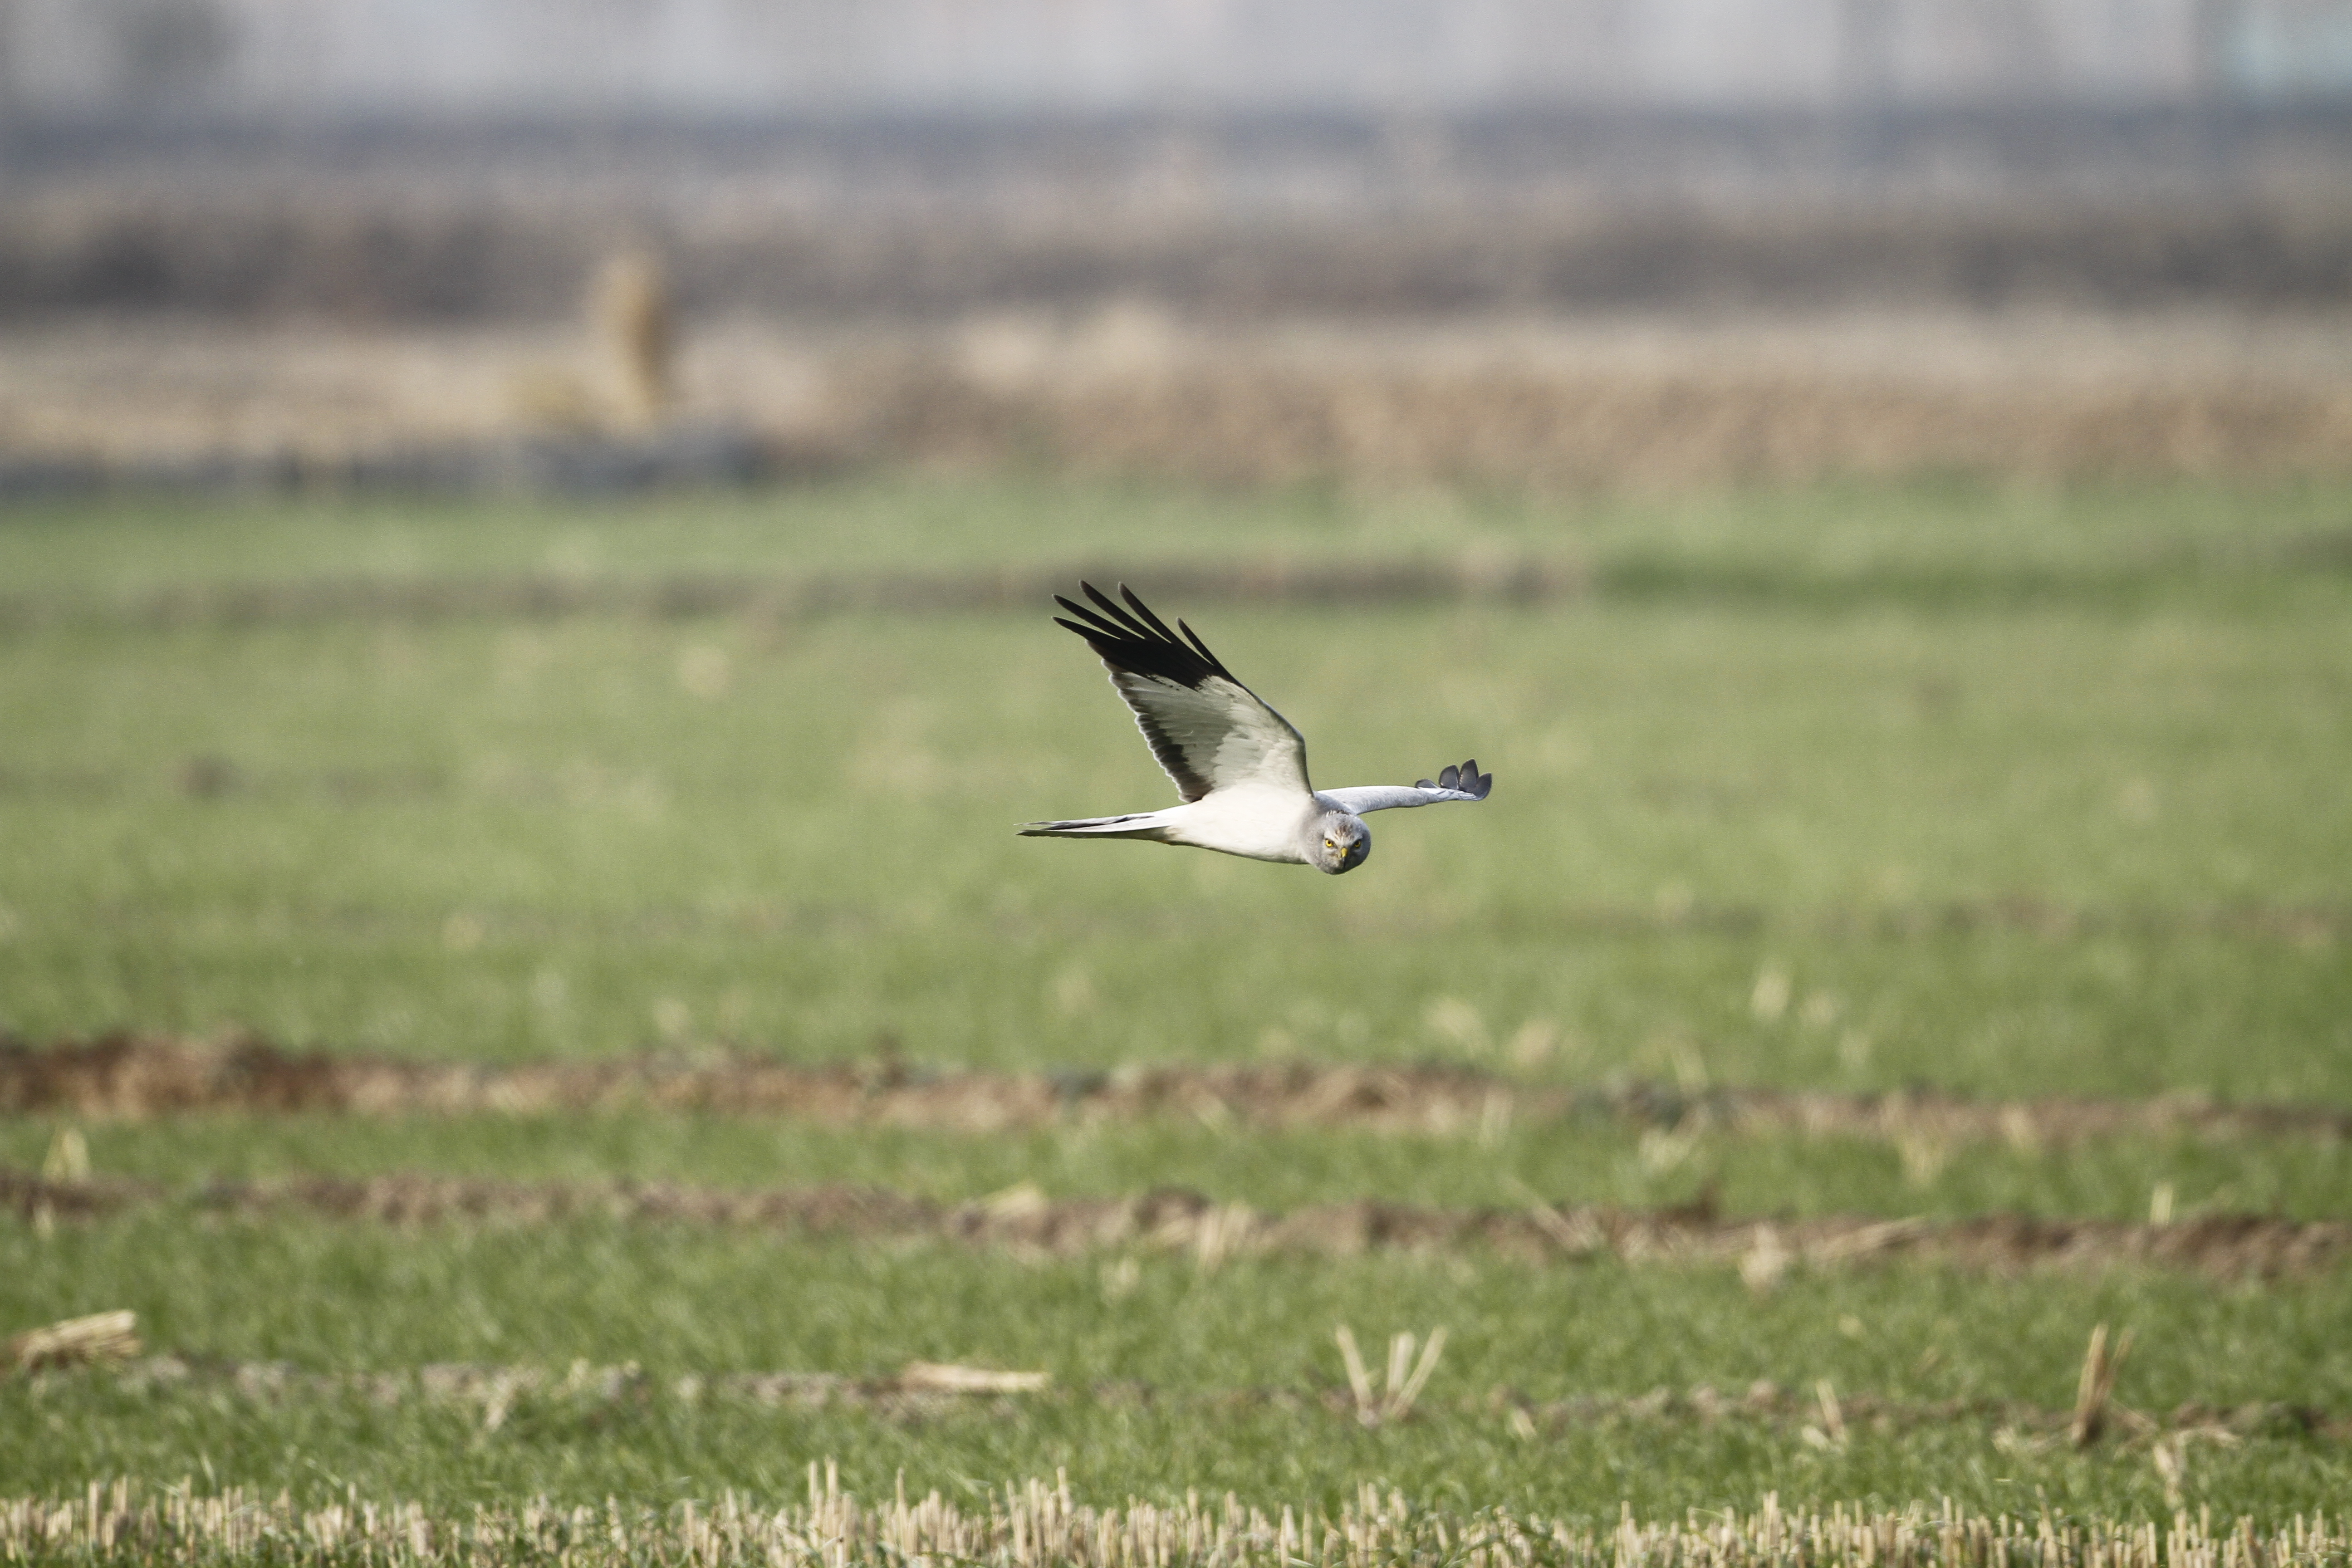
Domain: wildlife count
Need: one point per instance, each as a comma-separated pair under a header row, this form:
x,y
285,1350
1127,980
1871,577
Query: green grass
x,y
661,1452
2011,791
506,841
1773,1175
681,1300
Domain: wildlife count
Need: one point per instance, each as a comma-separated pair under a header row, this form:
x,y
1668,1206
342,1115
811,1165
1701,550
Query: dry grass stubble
x,y
1043,1526
1026,1222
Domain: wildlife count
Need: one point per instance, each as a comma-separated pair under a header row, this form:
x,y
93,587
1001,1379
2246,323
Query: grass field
x,y
2007,792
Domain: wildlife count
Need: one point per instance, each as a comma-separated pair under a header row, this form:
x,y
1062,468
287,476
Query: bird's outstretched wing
x,y
1208,730
1464,783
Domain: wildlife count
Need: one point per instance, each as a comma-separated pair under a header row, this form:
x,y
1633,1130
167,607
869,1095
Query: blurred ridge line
x,y
679,596
1472,578
714,454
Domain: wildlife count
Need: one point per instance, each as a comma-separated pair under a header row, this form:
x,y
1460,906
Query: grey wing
x,y
1208,730
1464,783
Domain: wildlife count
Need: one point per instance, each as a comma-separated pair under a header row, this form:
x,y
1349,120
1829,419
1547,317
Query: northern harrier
x,y
1239,766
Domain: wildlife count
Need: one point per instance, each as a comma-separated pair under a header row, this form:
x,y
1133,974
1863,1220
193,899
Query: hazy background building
x,y
314,61
1502,239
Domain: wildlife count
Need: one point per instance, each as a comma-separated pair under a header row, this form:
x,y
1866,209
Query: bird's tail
x,y
1134,825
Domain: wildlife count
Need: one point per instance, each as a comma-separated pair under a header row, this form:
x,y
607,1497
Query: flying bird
x,y
1238,766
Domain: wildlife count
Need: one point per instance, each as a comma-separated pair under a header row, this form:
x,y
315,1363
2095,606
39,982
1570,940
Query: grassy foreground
x,y
2011,793
1164,1374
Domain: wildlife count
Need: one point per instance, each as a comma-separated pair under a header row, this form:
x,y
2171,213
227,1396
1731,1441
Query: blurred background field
x,y
500,833
526,555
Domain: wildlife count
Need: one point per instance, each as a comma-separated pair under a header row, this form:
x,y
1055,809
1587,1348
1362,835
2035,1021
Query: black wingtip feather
x,y
1099,626
1142,647
1154,622
1466,779
1111,608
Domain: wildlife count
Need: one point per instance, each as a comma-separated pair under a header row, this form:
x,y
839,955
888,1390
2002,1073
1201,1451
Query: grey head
x,y
1337,841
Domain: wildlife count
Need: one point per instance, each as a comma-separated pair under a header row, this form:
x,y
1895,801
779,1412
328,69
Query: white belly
x,y
1263,825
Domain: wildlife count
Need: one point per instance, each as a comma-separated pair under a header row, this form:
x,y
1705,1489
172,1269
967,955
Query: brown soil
x,y
1645,404
1026,1221
129,1077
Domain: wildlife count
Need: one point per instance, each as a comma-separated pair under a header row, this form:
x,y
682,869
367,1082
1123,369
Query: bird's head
x,y
1338,841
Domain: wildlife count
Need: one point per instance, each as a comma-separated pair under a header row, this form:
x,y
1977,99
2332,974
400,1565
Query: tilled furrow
x,y
1025,1221
128,1077
132,1078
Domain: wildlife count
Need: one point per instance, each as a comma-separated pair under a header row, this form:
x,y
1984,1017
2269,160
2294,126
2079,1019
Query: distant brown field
x,y
1546,401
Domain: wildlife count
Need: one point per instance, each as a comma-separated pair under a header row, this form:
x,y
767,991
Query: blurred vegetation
x,y
1917,542
2010,842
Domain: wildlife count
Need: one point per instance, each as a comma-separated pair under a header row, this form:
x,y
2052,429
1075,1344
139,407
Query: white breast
x,y
1261,824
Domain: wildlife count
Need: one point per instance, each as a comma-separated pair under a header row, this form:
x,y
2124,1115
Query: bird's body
x,y
1258,825
1239,766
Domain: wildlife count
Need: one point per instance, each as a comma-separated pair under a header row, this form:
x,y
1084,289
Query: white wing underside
x,y
1363,798
1216,736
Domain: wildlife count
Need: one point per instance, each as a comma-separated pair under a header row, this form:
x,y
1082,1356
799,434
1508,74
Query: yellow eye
x,y
1330,843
